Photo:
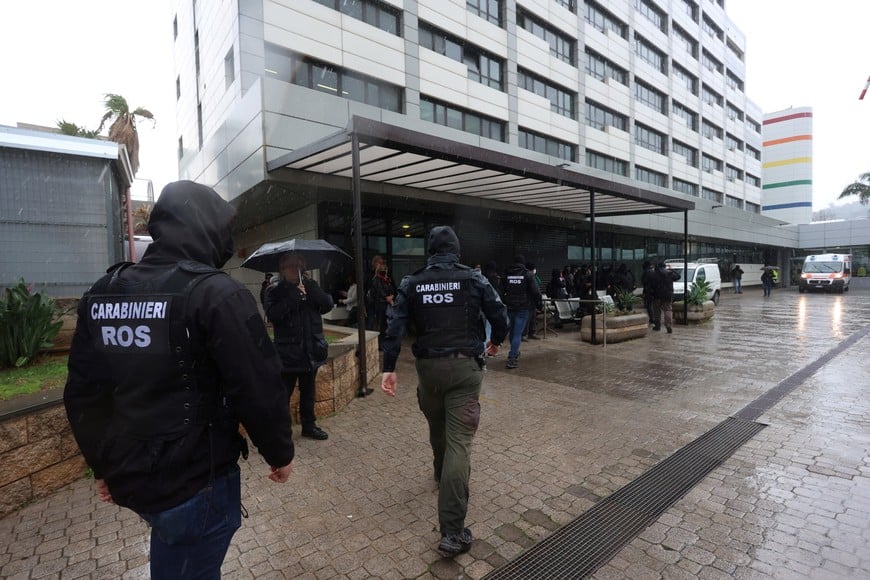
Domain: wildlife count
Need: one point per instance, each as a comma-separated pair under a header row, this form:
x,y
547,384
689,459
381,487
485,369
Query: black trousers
x,y
306,395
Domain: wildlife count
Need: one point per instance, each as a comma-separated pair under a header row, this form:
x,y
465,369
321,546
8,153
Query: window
x,y
685,78
650,139
733,143
603,20
755,125
175,28
684,113
196,53
650,97
733,81
652,13
569,4
753,152
177,87
691,9
752,207
482,67
606,163
710,131
457,118
735,50
752,180
708,26
543,144
561,100
199,125
712,195
561,46
689,153
180,147
710,164
734,113
650,176
379,15
601,117
599,67
710,62
710,96
489,10
287,66
733,174
229,69
648,53
685,39
685,187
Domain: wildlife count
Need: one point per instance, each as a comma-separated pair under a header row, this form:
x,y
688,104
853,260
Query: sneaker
x,y
534,337
453,544
512,363
524,339
670,330
315,433
657,327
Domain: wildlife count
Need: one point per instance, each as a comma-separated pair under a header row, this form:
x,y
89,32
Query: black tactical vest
x,y
515,294
445,313
140,330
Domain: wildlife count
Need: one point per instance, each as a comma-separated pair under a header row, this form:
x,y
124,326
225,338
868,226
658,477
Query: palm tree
x,y
861,188
67,128
123,127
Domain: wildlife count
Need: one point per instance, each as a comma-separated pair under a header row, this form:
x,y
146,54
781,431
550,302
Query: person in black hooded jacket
x,y
168,356
445,300
294,307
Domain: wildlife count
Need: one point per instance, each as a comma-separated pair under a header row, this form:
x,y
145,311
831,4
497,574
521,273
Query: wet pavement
x,y
573,424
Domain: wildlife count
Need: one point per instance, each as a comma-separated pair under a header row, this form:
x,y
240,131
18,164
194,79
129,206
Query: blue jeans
x,y
518,319
738,285
191,539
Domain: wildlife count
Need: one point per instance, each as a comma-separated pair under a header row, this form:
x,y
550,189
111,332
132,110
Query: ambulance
x,y
828,272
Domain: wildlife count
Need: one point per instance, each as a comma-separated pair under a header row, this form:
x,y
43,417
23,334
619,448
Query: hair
x,y
286,257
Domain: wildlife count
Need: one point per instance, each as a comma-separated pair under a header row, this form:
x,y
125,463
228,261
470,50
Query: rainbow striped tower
x,y
787,165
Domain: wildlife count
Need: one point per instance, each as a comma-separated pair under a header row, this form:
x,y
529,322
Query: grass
x,y
48,372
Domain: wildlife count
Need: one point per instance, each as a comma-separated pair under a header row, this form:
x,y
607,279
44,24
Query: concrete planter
x,y
619,327
697,313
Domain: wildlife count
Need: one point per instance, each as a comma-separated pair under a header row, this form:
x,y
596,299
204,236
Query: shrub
x,y
698,293
28,322
624,299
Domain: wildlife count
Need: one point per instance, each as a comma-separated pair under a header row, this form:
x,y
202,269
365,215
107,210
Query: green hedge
x,y
29,322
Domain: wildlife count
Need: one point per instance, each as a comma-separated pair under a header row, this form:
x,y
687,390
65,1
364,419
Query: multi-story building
x,y
787,173
643,94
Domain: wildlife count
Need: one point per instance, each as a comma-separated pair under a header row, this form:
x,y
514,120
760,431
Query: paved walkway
x,y
572,425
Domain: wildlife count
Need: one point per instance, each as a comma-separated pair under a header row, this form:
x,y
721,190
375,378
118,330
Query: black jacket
x,y
236,363
532,297
663,283
298,324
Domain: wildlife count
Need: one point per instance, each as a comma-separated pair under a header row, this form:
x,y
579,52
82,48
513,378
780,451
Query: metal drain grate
x,y
582,546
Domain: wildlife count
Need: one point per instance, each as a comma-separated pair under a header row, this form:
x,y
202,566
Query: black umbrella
x,y
316,253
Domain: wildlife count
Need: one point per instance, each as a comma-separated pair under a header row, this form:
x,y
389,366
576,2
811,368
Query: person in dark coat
x,y
647,282
446,300
663,284
295,306
381,293
168,356
521,295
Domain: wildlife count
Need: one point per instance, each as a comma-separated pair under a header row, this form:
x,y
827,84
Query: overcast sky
x,y
61,56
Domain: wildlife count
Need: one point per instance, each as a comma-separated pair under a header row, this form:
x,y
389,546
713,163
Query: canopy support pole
x,y
362,358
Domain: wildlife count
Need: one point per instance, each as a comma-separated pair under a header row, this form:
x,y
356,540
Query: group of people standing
x,y
658,294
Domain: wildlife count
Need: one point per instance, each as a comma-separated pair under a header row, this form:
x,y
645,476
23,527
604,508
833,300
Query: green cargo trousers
x,y
448,394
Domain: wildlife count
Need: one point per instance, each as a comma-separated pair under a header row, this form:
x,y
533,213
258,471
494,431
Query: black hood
x,y
443,240
190,222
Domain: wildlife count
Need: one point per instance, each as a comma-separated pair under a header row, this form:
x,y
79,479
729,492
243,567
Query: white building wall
x,y
787,165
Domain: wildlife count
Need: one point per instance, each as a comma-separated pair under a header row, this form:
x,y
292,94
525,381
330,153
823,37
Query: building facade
x,y
649,93
787,171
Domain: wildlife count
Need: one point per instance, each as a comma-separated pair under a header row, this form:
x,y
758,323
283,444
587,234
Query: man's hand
x,y
281,474
491,349
388,383
103,493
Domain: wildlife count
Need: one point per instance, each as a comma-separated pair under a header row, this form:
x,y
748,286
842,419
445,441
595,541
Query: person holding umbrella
x,y
294,305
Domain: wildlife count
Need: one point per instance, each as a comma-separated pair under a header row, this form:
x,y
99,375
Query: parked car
x,y
695,272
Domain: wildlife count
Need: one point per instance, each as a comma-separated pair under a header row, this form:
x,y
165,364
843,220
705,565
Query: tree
x,y
123,127
861,188
141,215
67,128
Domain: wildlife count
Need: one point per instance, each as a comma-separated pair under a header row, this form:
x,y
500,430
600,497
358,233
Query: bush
x,y
28,323
625,299
698,293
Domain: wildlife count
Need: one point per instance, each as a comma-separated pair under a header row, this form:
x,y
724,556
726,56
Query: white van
x,y
697,271
828,272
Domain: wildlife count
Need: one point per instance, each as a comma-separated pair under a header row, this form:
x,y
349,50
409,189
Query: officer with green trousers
x,y
445,301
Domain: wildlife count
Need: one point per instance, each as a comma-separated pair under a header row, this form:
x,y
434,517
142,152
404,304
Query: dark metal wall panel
x,y
60,220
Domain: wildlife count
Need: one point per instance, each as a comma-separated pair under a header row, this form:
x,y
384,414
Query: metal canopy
x,y
403,158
